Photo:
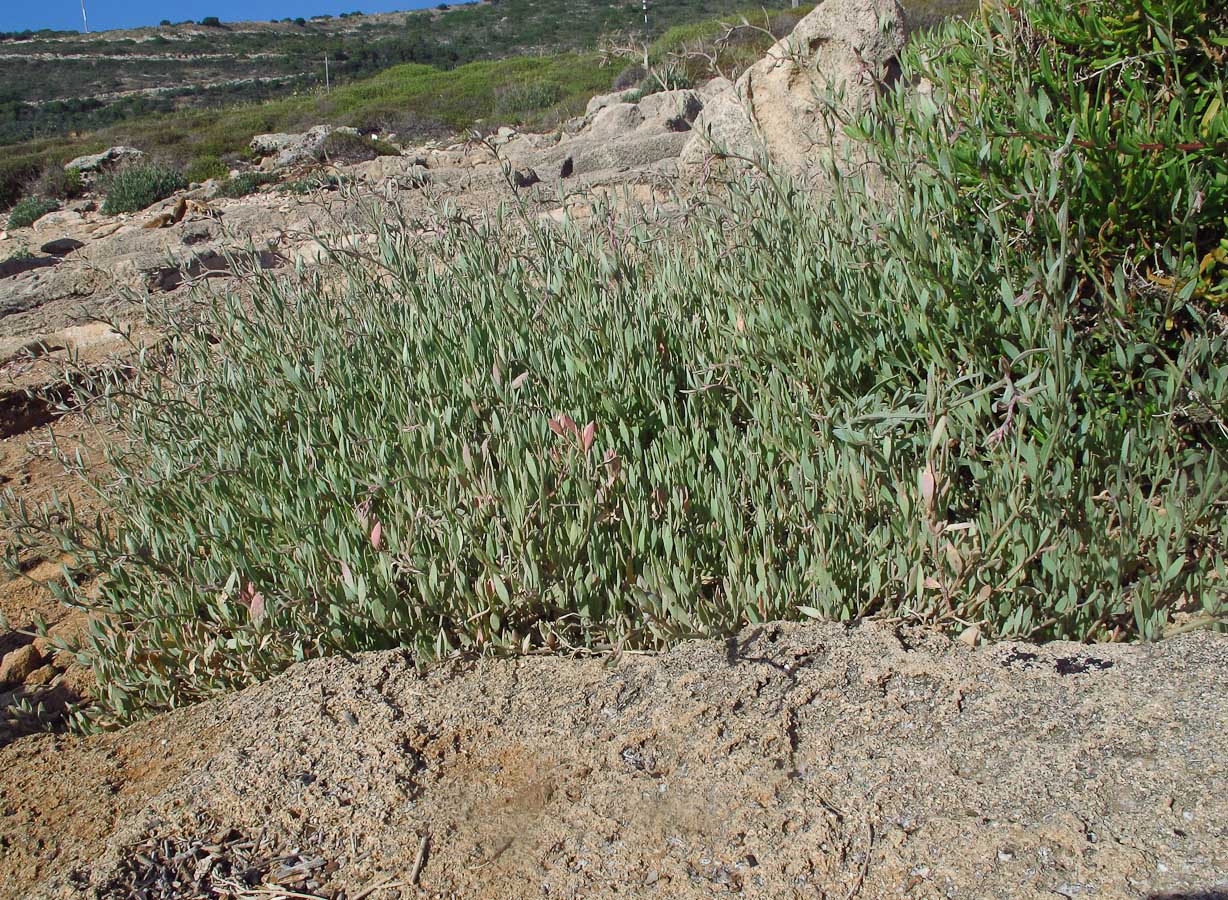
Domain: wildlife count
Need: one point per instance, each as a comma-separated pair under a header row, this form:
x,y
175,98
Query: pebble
x,y
42,675
18,664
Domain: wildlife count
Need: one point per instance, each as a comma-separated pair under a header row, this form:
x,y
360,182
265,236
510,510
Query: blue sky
x,y
17,15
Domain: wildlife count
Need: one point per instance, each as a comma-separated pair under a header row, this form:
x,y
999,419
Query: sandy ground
x,y
794,761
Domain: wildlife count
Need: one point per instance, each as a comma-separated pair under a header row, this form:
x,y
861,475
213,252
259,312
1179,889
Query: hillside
x,y
239,80
61,82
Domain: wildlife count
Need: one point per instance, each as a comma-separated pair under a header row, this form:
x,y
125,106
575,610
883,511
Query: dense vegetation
x,y
997,395
28,211
136,187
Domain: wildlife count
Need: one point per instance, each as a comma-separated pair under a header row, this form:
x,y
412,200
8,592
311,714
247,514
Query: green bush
x,y
205,168
244,184
531,97
957,395
664,78
27,211
140,186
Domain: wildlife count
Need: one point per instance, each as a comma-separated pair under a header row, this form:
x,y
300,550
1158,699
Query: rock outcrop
x,y
281,150
617,136
112,157
847,50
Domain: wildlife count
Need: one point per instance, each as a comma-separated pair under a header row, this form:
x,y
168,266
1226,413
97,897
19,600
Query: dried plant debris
x,y
227,865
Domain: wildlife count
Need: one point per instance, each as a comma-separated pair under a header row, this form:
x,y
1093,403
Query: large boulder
x,y
618,137
601,101
280,150
845,49
670,110
615,121
93,163
587,154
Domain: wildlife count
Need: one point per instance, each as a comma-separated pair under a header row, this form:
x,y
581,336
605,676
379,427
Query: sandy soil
x,y
794,761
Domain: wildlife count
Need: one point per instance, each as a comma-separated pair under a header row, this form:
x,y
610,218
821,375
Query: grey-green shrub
x,y
205,168
139,186
532,96
908,403
243,184
29,210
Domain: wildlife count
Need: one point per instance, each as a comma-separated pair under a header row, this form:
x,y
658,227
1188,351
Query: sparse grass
x,y
319,182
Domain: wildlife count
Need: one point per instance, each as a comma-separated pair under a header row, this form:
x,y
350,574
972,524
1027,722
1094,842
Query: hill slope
x,y
61,82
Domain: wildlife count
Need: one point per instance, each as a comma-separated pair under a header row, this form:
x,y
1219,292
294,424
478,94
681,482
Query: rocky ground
x,y
788,762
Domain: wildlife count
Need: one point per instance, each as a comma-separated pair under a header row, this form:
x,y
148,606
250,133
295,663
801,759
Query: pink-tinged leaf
x,y
466,456
496,375
519,380
346,575
927,484
556,425
613,465
256,608
569,425
377,534
586,439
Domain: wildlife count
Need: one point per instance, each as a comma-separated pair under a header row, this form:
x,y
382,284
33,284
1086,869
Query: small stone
x,y
42,675
19,664
970,636
61,246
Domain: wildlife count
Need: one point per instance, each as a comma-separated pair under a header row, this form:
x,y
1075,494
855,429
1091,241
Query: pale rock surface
x,y
670,110
282,150
714,87
601,101
848,47
93,163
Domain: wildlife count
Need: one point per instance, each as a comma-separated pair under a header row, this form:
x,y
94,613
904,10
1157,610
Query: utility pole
x,y
84,20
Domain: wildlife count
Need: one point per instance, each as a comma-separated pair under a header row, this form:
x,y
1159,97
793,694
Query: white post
x,y
327,84
645,8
